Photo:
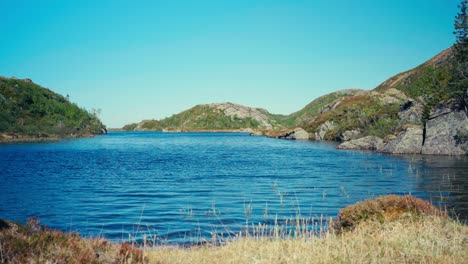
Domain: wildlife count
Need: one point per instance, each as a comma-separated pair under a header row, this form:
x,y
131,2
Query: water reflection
x,y
442,180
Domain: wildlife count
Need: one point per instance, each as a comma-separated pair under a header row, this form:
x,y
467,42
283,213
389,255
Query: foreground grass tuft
x,y
430,239
382,209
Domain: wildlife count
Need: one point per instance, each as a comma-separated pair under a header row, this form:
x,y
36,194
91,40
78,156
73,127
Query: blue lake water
x,y
183,187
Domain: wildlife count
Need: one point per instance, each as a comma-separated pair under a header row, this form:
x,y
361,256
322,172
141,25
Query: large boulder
x,y
365,143
295,134
411,112
446,133
351,134
409,141
324,129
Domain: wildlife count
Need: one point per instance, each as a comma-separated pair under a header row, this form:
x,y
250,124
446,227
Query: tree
x,y
460,78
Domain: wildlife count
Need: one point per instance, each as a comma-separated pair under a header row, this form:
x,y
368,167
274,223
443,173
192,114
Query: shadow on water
x,y
444,180
3,225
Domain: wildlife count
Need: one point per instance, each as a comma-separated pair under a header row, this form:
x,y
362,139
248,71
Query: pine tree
x,y
461,32
460,77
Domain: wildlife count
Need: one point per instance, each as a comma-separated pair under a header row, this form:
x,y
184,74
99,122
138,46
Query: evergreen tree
x,y
460,78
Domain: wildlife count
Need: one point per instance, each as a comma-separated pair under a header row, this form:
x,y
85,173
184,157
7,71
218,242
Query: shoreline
x,y
13,138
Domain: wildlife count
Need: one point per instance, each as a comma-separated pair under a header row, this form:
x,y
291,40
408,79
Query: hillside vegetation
x,y
377,112
406,114
230,116
223,116
27,109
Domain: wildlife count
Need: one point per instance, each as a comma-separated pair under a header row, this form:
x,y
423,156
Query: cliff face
x,y
29,112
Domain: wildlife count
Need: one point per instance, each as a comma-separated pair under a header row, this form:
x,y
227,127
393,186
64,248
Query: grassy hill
x,y
229,116
223,116
373,113
376,113
313,109
30,110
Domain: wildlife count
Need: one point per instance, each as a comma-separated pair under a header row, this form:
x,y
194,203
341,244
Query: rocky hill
x,y
212,117
29,112
235,117
410,113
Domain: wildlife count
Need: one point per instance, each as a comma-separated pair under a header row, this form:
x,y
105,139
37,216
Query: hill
x,y
209,117
31,112
412,112
230,116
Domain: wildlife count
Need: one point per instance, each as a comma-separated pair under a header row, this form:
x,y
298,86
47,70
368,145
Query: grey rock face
x,y
411,113
446,133
256,133
323,129
295,134
242,112
365,143
409,141
351,134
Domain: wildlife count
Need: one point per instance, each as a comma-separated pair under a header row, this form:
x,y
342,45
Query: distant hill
x,y
317,106
411,112
219,116
230,116
29,111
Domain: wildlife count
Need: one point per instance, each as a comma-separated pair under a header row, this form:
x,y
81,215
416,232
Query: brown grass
x,y
385,208
425,240
35,244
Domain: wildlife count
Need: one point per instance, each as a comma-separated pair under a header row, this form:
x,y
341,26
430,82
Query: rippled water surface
x,y
185,187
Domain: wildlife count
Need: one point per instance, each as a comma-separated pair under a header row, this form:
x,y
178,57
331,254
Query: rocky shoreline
x,y
15,138
444,133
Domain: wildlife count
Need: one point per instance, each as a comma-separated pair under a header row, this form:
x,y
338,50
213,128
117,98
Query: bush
x,y
35,244
384,208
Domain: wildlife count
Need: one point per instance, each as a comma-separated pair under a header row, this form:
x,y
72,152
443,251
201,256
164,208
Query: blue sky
x,y
150,59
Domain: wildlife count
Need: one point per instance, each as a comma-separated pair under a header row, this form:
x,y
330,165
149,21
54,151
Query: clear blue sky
x,y
150,59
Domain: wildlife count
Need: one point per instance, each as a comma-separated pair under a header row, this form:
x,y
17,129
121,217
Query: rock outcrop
x,y
295,134
241,112
351,135
365,143
411,112
290,134
446,133
324,129
409,141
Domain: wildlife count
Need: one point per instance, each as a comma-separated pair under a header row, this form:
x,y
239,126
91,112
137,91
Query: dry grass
x,y
35,244
430,239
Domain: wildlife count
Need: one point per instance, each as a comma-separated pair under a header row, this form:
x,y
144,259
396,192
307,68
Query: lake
x,y
184,187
